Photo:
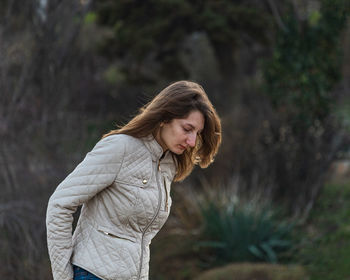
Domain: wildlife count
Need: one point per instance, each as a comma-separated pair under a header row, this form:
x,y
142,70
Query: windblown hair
x,y
177,101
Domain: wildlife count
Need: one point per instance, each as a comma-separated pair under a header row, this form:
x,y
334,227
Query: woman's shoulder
x,y
127,141
118,137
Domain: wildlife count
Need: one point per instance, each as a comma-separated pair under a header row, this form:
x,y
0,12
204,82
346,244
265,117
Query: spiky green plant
x,y
236,232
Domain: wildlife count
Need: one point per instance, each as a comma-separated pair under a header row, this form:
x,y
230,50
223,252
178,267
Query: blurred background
x,y
276,202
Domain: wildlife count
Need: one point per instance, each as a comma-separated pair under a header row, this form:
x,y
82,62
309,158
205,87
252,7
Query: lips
x,y
182,147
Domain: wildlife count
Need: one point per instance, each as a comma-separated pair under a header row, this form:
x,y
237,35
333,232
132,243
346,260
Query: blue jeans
x,y
82,274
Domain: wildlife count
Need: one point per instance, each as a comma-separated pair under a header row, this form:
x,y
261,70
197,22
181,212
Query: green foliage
x,y
90,18
343,113
156,30
113,75
325,238
304,136
305,64
244,233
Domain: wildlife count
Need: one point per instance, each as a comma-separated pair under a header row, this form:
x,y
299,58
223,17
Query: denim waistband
x,y
82,274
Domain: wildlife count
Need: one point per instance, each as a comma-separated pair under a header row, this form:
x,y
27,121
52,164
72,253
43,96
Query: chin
x,y
177,151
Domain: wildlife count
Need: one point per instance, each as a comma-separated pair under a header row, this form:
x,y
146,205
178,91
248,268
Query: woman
x,y
124,186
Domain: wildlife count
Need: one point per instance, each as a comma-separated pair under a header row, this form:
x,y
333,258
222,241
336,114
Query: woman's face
x,y
179,134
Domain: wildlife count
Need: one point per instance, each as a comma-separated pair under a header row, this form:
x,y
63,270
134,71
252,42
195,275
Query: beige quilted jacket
x,y
124,187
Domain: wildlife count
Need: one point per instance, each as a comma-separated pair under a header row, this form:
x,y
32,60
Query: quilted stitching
x,y
110,183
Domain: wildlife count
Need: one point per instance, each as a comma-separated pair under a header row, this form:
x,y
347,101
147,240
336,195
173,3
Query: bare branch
x,y
277,15
296,10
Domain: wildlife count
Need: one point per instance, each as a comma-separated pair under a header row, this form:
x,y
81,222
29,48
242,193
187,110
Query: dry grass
x,y
248,271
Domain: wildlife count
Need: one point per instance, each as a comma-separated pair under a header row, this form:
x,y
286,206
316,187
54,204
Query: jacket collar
x,y
156,151
154,147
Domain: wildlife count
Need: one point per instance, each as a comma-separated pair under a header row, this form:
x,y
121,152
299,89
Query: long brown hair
x,y
176,101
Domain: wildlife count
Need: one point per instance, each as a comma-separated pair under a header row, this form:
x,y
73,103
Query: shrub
x,y
237,232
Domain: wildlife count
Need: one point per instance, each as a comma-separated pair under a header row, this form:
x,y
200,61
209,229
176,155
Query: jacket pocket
x,y
115,234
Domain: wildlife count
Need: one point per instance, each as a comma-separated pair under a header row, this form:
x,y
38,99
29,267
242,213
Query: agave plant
x,y
236,232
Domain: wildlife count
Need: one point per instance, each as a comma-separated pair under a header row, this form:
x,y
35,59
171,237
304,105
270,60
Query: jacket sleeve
x,y
97,171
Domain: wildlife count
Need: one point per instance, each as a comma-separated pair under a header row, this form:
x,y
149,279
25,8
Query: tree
x,y
152,33
41,72
299,81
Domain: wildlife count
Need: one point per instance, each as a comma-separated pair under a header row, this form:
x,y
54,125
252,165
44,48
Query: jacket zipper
x,y
166,195
154,217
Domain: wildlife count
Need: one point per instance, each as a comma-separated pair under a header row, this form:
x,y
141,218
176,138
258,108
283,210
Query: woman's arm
x,y
97,171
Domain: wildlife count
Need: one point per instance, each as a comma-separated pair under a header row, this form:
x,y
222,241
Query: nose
x,y
191,140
